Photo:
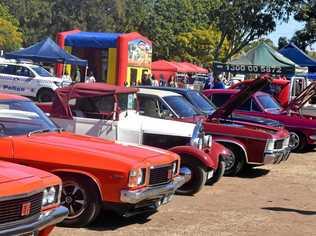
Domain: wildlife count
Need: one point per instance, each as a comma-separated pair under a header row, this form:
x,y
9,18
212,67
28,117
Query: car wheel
x,y
197,181
217,174
45,95
297,141
81,198
236,162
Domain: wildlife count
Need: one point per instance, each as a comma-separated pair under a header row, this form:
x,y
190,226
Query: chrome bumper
x,y
136,196
277,157
46,219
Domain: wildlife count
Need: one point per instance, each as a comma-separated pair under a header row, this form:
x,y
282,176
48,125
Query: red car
x,y
302,128
251,144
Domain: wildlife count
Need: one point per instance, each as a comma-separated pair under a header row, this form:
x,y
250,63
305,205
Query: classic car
x,y
205,107
128,179
251,144
110,111
284,91
29,200
302,128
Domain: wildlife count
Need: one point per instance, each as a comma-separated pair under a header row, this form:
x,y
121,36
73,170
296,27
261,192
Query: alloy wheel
x,y
294,140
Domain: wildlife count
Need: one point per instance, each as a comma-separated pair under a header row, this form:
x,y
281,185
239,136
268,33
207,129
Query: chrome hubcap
x,y
230,161
74,198
294,140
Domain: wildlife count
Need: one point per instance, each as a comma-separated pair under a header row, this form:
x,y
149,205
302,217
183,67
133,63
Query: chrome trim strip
x,y
239,136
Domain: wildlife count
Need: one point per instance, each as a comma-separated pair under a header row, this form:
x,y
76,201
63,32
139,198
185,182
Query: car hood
x,y
241,97
297,103
256,120
81,150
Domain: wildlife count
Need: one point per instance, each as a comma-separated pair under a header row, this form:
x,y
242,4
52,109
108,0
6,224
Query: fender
x,y
233,141
205,156
92,177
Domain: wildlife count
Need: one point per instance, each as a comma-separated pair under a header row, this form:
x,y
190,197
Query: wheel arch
x,y
237,144
42,89
92,178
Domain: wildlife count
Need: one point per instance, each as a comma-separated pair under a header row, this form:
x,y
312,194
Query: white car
x,y
29,80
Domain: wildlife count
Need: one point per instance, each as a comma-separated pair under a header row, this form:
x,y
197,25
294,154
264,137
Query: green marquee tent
x,y
261,59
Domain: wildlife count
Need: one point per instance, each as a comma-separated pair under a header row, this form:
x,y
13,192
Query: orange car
x,y
96,173
29,200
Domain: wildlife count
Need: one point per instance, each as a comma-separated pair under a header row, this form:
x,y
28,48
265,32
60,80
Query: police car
x,y
29,80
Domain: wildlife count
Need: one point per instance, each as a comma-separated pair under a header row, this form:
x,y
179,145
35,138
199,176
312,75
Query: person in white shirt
x,y
90,78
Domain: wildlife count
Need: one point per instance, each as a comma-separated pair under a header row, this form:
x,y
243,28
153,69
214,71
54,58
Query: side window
x,y
246,106
220,99
9,69
149,106
93,107
255,106
23,71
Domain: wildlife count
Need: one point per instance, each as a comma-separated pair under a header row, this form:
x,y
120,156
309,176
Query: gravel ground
x,y
270,200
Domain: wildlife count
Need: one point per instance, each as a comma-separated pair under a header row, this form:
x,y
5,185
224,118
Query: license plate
x,y
210,174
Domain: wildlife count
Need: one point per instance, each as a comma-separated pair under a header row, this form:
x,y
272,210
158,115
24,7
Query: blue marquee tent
x,y
296,55
46,51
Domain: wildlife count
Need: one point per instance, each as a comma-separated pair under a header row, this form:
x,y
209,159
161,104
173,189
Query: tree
x,y
306,12
242,21
282,42
198,46
10,37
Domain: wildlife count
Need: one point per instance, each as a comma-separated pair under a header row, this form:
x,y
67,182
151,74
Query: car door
x,y
24,81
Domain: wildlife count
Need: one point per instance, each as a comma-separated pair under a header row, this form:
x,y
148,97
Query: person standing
x,y
90,78
154,82
218,84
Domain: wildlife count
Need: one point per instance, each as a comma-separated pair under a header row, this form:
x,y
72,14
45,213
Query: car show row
x,y
130,149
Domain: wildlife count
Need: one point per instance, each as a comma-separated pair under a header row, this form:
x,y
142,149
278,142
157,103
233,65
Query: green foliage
x,y
199,45
282,42
305,12
10,37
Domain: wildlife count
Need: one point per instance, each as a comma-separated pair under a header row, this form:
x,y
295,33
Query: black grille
x,y
278,144
11,210
160,175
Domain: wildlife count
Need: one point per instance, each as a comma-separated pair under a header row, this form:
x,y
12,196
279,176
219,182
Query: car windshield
x,y
181,106
41,71
201,102
21,118
268,102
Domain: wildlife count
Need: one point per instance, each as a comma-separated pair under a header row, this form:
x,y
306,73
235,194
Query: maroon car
x,y
251,144
302,127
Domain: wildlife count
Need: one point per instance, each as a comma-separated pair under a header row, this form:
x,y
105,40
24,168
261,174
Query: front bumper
x,y
45,219
277,157
148,193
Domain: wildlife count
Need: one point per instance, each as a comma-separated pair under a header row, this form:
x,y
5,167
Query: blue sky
x,y
285,30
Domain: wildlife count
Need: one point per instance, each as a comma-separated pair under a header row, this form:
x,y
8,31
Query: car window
x,y
152,106
298,87
9,69
201,102
23,71
181,106
41,71
219,99
268,102
127,101
93,107
246,106
255,106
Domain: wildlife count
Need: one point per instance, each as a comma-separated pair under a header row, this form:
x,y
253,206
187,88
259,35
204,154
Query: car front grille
x,y
160,175
11,210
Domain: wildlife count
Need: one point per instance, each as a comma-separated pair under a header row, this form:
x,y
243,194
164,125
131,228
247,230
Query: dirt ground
x,y
270,200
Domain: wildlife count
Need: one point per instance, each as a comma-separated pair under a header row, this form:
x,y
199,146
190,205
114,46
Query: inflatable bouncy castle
x,y
115,58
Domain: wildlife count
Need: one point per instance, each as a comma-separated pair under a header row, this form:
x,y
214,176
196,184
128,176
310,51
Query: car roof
x,y
5,96
157,92
170,89
231,91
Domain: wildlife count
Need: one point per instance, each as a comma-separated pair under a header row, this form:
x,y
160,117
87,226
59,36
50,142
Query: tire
x,y
217,174
237,160
197,181
80,196
297,141
45,95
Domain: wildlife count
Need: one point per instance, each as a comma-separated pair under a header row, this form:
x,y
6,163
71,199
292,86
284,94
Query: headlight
x,y
136,177
51,195
207,141
270,145
175,167
197,139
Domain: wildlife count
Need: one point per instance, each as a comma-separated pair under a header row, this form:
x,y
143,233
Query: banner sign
x,y
139,53
252,69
